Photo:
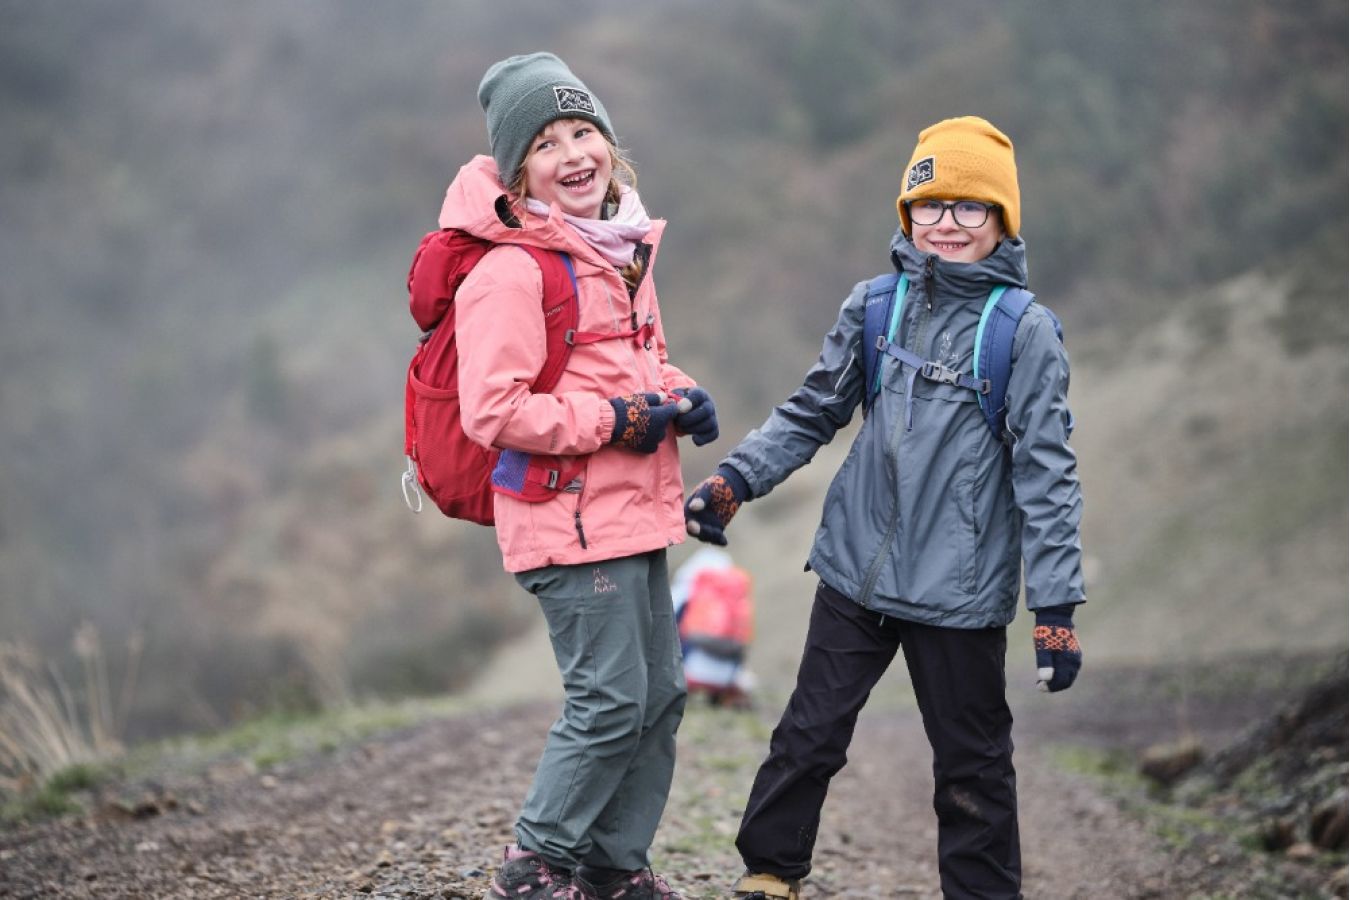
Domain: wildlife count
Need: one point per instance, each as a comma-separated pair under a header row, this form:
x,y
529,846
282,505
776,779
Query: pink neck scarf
x,y
615,239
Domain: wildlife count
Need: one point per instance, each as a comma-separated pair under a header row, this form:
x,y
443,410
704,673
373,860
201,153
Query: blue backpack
x,y
993,348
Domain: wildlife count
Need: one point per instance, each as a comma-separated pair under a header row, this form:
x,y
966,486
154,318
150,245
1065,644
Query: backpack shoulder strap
x,y
881,314
993,350
561,309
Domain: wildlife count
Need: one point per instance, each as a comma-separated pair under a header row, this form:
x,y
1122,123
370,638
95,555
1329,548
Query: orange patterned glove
x,y
1058,655
710,507
641,421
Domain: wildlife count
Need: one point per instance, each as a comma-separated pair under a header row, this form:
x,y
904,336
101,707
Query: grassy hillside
x,y
1214,464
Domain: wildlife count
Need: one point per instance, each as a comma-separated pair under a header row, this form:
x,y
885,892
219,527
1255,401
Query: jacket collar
x,y
471,205
1006,265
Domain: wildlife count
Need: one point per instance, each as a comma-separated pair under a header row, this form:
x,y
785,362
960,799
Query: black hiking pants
x,y
958,678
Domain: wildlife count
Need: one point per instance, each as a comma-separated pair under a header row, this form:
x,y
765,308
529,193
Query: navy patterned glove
x,y
698,416
710,507
1058,655
641,421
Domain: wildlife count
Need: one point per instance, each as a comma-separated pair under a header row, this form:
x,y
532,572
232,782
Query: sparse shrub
x,y
49,731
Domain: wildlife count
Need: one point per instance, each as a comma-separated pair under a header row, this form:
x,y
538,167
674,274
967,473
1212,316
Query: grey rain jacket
x,y
931,523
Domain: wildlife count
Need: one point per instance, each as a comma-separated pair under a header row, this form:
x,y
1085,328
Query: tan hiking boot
x,y
758,886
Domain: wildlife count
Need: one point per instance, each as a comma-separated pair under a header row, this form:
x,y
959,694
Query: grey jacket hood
x,y
1006,265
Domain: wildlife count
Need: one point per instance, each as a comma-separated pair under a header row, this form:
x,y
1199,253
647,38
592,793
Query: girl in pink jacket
x,y
594,553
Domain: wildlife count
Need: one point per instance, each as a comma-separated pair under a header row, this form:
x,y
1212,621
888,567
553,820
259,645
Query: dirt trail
x,y
419,814
423,812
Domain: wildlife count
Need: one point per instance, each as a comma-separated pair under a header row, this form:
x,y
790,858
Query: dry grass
x,y
46,724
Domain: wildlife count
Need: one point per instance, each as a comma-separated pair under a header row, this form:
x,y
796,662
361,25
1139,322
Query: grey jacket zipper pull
x,y
928,280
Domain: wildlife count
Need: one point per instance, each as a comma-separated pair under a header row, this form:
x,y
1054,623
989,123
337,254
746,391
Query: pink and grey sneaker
x,y
640,885
525,875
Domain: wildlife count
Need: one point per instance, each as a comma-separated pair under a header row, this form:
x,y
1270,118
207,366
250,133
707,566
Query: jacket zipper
x,y
653,368
928,279
648,372
581,532
874,570
576,512
919,338
613,318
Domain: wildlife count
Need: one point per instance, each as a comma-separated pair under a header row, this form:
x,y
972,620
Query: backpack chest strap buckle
x,y
936,371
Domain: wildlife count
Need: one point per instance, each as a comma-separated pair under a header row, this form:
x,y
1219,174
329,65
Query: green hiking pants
x,y
605,773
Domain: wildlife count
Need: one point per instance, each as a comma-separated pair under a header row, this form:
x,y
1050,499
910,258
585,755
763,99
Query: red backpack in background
x,y
719,615
443,462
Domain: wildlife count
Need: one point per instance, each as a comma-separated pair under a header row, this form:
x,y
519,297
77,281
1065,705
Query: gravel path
x,y
424,812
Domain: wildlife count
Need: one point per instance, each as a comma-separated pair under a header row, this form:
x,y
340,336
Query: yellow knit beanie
x,y
963,159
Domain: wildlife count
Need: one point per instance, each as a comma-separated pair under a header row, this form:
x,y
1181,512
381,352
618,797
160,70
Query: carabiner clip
x,y
411,489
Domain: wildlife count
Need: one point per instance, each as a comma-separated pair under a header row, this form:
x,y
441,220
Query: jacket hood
x,y
1006,265
472,201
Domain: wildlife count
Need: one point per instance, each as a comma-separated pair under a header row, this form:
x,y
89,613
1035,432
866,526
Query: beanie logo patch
x,y
572,99
921,172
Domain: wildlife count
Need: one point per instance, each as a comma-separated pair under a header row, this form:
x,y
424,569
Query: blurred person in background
x,y
714,607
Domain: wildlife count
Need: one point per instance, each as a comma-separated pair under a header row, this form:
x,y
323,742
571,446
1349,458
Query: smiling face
x,y
569,164
956,243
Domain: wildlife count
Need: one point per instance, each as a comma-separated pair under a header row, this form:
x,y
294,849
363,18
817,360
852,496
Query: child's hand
x,y
641,421
710,507
697,415
1058,655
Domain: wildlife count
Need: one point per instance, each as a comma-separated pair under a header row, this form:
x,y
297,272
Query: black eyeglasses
x,y
966,213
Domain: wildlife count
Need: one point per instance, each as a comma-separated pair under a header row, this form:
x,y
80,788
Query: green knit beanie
x,y
522,94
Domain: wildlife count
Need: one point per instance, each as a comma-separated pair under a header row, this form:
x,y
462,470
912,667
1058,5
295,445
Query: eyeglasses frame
x,y
988,208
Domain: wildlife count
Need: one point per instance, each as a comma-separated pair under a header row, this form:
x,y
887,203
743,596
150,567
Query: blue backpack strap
x,y
881,314
1069,421
993,350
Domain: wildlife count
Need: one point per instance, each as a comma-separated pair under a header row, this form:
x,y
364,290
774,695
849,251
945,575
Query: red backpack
x,y
457,474
720,611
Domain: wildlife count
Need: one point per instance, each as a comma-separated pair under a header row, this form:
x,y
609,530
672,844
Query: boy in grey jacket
x,y
925,528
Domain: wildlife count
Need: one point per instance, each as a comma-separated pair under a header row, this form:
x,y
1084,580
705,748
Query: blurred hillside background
x,y
207,213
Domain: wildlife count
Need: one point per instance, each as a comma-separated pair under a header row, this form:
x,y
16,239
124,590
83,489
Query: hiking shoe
x,y
525,875
640,885
759,886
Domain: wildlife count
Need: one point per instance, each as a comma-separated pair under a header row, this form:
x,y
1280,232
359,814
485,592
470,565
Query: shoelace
x,y
655,883
550,877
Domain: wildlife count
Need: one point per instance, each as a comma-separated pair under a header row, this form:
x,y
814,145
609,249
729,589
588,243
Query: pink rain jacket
x,y
628,502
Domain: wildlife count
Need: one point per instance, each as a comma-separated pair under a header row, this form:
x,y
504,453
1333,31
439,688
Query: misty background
x,y
207,213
